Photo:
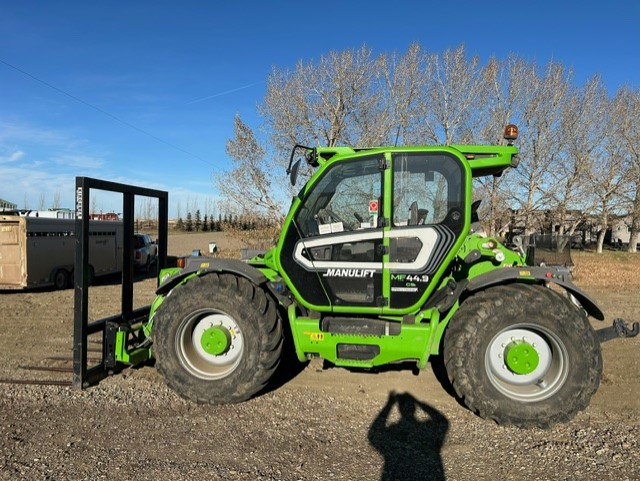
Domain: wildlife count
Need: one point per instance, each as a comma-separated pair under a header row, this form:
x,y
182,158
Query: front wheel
x,y
217,339
522,355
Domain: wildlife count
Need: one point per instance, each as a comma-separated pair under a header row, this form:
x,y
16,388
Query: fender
x,y
204,265
557,275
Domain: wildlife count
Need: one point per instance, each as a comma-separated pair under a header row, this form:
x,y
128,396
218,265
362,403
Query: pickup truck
x,y
145,251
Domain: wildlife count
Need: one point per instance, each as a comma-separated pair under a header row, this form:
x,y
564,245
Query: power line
x,y
104,112
220,94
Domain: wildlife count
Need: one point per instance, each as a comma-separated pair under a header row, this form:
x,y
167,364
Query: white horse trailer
x,y
39,252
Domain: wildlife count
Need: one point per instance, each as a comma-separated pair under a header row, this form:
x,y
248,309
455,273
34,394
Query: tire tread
x,y
478,313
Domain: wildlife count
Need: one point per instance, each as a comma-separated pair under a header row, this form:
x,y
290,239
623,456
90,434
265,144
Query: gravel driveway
x,y
319,423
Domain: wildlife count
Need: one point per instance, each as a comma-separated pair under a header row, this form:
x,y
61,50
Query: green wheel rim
x,y
527,362
209,344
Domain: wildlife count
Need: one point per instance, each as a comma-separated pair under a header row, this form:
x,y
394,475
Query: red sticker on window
x,y
373,206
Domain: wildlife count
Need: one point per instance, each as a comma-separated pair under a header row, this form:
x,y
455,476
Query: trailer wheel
x,y
522,355
61,279
217,339
91,276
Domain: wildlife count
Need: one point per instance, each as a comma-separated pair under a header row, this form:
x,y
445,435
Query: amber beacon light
x,y
510,133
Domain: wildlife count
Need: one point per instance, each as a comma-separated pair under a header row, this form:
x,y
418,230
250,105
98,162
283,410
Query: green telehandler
x,y
381,260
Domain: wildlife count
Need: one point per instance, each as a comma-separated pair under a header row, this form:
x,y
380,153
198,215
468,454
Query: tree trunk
x,y
635,222
600,243
602,232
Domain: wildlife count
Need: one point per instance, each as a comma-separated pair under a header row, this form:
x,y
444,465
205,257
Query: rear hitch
x,y
618,329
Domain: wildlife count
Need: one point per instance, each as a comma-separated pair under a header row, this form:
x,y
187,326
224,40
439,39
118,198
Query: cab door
x,y
428,217
332,253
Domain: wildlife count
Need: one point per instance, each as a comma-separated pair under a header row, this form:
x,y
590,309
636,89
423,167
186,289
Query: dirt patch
x,y
322,424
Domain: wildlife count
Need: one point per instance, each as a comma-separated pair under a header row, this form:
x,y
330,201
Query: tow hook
x,y
618,329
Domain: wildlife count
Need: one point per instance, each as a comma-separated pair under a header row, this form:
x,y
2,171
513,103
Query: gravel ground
x,y
317,424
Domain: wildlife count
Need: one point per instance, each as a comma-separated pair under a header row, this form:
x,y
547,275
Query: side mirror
x,y
293,176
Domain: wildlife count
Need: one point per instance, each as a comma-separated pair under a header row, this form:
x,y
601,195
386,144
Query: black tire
x,y
91,276
61,279
565,369
252,330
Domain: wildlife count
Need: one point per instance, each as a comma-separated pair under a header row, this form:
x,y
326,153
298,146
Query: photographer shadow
x,y
411,446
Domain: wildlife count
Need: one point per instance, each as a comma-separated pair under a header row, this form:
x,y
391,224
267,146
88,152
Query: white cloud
x,y
78,161
12,157
37,163
20,133
22,184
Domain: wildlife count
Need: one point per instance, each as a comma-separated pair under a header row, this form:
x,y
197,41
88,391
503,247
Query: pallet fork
x,y
120,333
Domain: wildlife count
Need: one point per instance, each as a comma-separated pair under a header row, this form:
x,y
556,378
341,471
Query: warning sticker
x,y
373,206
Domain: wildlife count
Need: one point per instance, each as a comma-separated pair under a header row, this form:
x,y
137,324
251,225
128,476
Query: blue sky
x,y
145,92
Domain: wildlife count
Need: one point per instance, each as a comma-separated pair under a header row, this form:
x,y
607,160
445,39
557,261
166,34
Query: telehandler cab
x,y
380,260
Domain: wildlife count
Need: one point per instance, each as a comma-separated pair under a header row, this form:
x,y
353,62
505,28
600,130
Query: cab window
x,y
427,188
346,198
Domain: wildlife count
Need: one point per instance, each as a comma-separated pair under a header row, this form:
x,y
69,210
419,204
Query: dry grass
x,y
230,243
261,238
609,269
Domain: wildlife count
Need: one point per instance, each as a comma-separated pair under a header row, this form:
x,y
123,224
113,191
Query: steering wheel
x,y
327,215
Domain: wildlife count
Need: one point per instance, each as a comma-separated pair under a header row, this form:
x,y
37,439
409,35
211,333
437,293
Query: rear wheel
x,y
61,279
217,339
522,355
91,275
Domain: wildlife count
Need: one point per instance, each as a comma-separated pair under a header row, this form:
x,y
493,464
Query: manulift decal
x,y
349,273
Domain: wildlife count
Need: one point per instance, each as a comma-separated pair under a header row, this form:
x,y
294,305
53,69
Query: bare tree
x,y
455,88
178,210
195,204
325,104
351,98
56,201
403,94
627,109
248,187
357,99
503,104
583,124
208,207
41,201
150,211
608,179
139,215
541,138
